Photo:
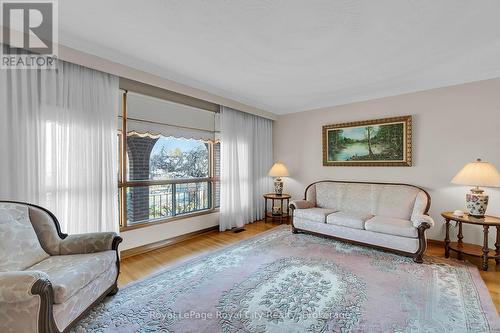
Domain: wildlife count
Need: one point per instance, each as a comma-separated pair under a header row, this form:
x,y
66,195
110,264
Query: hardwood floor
x,y
140,266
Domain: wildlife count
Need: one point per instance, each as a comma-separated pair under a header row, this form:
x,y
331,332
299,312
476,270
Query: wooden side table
x,y
483,252
275,197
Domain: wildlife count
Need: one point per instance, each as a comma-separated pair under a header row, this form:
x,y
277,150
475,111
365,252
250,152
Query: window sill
x,y
169,219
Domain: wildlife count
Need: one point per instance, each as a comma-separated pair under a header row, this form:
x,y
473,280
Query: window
x,y
173,158
162,177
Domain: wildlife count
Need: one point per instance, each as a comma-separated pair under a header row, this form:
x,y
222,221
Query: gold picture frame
x,y
377,142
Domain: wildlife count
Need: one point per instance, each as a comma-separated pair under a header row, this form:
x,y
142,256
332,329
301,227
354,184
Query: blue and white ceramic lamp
x,y
278,170
478,174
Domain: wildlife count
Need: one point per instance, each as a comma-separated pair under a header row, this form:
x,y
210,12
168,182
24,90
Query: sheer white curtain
x,y
59,144
246,157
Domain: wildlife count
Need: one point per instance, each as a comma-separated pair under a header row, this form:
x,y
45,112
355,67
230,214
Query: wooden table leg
x,y
497,245
486,248
273,218
265,210
288,215
447,239
460,236
281,217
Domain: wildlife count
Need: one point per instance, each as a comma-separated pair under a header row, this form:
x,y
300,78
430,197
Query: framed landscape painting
x,y
378,142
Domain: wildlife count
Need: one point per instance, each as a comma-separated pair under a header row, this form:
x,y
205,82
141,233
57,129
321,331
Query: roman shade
x,y
156,117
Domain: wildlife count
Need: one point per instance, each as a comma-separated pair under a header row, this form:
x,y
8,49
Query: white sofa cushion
x,y
70,273
313,214
349,219
66,312
358,198
329,195
19,245
395,201
391,226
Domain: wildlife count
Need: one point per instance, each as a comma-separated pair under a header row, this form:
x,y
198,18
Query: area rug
x,y
282,282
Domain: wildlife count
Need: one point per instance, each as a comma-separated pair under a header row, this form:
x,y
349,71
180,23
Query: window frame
x,y
124,184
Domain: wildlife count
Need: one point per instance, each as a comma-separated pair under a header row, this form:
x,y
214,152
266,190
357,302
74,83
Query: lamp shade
x,y
478,173
278,170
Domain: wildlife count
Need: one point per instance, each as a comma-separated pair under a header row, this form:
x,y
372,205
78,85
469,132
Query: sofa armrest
x,y
301,204
89,243
421,219
16,286
26,299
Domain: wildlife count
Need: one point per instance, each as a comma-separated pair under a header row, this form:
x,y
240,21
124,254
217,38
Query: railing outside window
x,y
151,201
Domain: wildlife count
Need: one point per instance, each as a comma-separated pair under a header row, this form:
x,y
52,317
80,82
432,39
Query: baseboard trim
x,y
163,243
435,241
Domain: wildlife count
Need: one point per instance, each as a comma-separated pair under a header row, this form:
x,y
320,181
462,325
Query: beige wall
x,y
452,126
155,233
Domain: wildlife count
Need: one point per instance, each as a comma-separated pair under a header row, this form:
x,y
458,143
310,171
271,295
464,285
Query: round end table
x,y
460,248
282,217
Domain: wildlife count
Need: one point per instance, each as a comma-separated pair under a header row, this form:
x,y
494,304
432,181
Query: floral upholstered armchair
x,y
49,279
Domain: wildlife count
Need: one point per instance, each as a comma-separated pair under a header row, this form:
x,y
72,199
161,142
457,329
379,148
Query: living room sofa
x,y
48,280
385,216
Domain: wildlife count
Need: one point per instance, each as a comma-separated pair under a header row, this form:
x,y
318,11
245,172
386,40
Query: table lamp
x,y
278,170
478,173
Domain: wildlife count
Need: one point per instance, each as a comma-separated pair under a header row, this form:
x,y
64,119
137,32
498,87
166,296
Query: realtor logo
x,y
29,34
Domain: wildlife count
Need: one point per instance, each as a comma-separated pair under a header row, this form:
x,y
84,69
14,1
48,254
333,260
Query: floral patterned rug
x,y
281,282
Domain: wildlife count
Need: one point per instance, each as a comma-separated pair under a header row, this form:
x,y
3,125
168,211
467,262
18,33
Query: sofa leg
x,y
113,291
418,259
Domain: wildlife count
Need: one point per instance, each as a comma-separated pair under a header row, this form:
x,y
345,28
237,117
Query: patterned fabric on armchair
x,y
49,279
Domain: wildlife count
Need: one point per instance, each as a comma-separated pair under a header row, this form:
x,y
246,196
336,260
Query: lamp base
x,y
278,186
476,202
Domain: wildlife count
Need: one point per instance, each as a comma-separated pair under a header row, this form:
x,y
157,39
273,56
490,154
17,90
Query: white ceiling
x,y
288,55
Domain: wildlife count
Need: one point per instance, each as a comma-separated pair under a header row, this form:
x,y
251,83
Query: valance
x,y
153,117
